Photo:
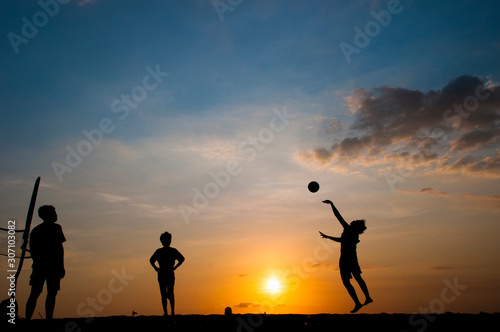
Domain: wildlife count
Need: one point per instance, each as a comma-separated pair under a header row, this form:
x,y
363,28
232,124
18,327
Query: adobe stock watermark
x,y
30,28
292,277
371,29
94,137
222,6
222,178
453,116
104,297
11,272
448,295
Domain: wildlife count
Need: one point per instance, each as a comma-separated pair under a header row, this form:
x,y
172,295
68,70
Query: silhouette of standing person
x,y
46,249
166,258
348,263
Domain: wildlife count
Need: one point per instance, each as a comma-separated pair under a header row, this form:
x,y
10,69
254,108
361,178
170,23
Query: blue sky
x,y
351,126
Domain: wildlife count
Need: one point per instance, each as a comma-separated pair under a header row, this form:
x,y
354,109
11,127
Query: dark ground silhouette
x,y
260,322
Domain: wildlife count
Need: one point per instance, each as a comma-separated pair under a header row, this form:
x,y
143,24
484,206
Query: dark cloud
x,y
245,305
431,191
321,154
456,129
392,114
473,140
441,268
324,265
427,191
488,166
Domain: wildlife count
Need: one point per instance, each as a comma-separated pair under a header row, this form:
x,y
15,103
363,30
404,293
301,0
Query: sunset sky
x,y
208,119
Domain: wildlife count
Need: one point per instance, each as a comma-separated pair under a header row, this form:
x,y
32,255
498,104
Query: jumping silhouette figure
x,y
46,249
166,258
348,262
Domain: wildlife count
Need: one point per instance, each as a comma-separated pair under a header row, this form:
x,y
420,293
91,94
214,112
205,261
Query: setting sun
x,y
273,286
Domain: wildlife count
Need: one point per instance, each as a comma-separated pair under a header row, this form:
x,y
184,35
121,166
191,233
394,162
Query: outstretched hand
x,y
323,235
327,201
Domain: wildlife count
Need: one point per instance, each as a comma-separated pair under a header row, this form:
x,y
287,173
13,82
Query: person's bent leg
x,y
363,287
352,293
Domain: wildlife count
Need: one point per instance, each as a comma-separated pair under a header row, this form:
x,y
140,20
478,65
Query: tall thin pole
x,y
27,227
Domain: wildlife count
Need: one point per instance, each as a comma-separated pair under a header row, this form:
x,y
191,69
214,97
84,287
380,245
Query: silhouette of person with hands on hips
x,y
46,249
348,263
166,258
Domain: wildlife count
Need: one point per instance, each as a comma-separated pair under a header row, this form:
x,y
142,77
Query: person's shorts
x,y
40,276
166,279
348,267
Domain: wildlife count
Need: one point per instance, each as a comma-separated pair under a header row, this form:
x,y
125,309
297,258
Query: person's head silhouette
x,y
166,239
47,213
358,226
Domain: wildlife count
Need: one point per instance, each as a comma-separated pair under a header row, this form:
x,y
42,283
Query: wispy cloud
x,y
437,193
112,198
488,197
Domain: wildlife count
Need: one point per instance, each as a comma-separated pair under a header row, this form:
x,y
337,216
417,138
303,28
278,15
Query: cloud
x,y
329,125
433,192
324,265
488,166
245,305
112,198
488,197
427,191
440,268
453,130
473,140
